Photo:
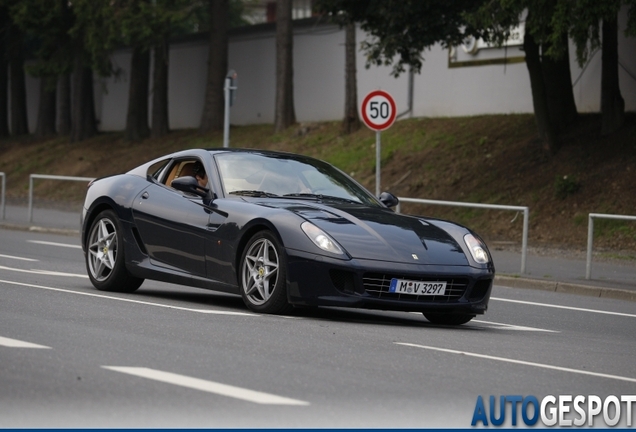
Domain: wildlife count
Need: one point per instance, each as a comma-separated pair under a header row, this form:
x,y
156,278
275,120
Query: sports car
x,y
281,230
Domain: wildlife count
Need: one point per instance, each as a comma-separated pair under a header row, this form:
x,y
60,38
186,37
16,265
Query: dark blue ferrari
x,y
281,230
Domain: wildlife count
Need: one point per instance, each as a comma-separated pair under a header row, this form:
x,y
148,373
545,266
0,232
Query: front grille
x,y
377,285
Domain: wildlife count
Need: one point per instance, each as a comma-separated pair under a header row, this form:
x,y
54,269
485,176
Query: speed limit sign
x,y
378,110
378,113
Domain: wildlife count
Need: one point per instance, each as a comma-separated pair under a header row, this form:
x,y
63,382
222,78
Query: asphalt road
x,y
171,356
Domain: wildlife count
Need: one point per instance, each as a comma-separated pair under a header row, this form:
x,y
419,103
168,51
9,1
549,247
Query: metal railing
x,y
525,210
590,236
4,188
49,177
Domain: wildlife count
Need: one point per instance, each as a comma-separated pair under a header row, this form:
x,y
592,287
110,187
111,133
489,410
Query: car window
x,y
157,168
281,175
180,168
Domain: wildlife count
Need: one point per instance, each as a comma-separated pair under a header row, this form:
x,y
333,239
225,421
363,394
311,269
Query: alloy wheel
x,y
260,271
102,249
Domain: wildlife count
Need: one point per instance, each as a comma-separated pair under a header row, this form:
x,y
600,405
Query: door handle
x,y
145,195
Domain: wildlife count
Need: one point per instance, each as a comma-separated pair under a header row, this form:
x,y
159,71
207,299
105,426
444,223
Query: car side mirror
x,y
388,199
190,185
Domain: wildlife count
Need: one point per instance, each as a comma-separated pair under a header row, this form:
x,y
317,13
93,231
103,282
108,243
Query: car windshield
x,y
290,176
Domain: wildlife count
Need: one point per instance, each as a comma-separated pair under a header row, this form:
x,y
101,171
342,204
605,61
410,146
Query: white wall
x,y
319,58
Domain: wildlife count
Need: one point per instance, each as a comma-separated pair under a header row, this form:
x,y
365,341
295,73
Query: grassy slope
x,y
489,159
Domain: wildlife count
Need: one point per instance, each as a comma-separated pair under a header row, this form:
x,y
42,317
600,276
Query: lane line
x,y
208,386
564,307
521,362
515,327
15,343
503,326
44,272
203,311
18,258
55,244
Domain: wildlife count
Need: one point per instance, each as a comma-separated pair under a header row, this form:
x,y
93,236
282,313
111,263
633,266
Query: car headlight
x,y
477,249
321,238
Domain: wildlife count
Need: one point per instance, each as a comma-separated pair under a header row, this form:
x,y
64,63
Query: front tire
x,y
263,275
105,261
448,319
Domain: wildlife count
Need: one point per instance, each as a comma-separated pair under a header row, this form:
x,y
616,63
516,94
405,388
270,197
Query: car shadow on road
x,y
197,299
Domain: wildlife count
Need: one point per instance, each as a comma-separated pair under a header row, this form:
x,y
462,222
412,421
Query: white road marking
x,y
208,386
203,311
14,343
521,362
18,258
503,326
564,307
44,272
55,244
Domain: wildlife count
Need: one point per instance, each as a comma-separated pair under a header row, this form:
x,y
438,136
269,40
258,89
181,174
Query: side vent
x,y
140,244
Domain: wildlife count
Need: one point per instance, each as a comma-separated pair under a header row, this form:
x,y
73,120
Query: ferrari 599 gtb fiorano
x,y
281,230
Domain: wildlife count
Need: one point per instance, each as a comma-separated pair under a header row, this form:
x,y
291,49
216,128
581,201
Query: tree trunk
x,y
612,103
19,120
47,107
4,77
214,105
137,118
160,123
558,84
83,124
285,114
64,127
351,122
539,99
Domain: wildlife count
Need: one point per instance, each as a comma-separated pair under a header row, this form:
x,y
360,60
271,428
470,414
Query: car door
x,y
173,227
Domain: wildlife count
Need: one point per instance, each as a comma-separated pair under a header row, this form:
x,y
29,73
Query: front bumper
x,y
321,281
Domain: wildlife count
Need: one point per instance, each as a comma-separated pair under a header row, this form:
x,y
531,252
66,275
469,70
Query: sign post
x,y
378,112
229,94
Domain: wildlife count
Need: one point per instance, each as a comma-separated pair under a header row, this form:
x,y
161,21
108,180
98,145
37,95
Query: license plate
x,y
404,286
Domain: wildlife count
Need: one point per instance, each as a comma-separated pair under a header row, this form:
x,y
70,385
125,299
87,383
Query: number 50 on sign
x,y
378,110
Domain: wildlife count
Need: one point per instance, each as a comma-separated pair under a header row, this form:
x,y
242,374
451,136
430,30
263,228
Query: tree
x,y
160,121
47,108
400,32
137,116
83,119
547,59
351,122
612,103
583,20
15,50
213,107
285,114
47,26
4,78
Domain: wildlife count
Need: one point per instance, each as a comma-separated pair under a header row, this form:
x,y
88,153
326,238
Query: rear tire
x,y
263,275
105,260
448,319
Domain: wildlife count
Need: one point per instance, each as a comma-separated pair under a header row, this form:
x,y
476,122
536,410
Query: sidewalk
x,y
552,270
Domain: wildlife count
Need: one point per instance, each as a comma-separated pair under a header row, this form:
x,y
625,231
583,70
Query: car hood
x,y
381,234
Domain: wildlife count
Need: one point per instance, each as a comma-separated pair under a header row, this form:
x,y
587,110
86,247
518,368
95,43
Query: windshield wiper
x,y
320,196
303,195
254,193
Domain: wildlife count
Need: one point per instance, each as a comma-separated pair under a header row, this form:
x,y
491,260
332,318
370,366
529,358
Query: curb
x,y
32,228
566,288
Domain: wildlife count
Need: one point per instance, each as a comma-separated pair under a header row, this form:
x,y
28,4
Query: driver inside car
x,y
200,175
